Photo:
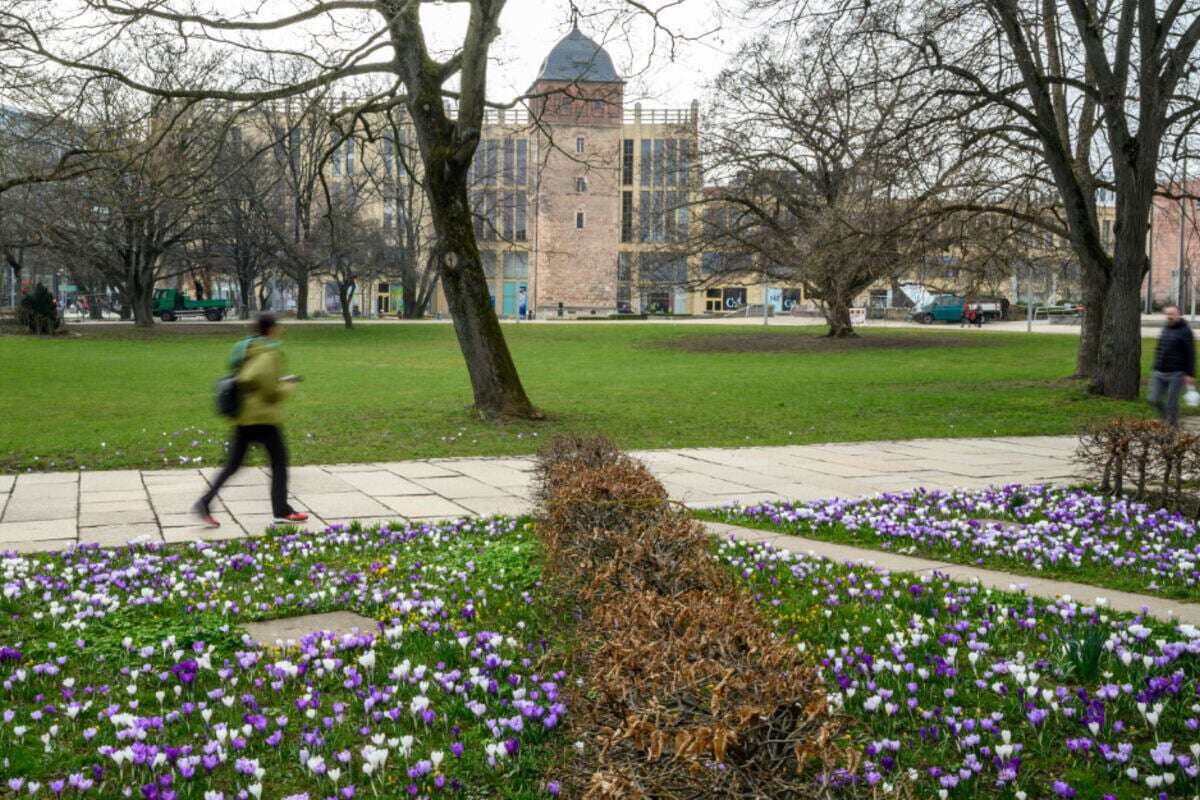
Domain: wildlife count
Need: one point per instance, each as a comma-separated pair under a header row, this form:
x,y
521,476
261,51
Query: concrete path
x,y
51,510
1161,608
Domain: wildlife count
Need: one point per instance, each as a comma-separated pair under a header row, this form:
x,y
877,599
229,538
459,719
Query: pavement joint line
x,y
1163,608
153,510
79,504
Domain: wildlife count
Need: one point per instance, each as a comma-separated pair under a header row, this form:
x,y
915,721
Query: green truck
x,y
950,307
942,308
171,304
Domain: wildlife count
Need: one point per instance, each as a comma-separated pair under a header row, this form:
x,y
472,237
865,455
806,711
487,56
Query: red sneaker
x,y
201,511
295,516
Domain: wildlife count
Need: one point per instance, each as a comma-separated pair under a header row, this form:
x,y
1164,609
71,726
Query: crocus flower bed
x,y
956,691
1043,530
125,673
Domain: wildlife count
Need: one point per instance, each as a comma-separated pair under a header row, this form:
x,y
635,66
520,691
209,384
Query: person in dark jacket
x,y
1174,366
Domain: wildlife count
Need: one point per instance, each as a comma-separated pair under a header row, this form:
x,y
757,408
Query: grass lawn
x,y
125,672
109,396
955,691
1043,531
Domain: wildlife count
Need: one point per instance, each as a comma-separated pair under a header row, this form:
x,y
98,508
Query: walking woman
x,y
262,387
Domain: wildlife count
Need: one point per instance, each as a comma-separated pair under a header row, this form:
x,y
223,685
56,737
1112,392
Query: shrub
x,y
686,691
1143,458
38,311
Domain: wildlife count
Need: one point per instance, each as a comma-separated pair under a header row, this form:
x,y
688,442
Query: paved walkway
x,y
994,579
51,510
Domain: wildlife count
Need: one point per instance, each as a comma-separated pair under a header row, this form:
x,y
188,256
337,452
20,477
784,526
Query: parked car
x,y
171,304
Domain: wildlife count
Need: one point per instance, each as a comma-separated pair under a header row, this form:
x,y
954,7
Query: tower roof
x,y
578,58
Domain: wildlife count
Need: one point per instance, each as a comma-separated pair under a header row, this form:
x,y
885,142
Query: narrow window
x,y
581,185
579,220
337,160
521,233
509,153
349,157
659,153
522,161
627,162
683,162
670,167
493,157
578,144
387,155
626,216
508,215
656,234
644,217
646,162
489,228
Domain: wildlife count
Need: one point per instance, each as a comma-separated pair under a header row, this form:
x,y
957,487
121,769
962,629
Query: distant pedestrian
x,y
262,388
967,315
978,316
1174,366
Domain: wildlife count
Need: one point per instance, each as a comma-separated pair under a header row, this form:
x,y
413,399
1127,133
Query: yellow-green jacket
x,y
262,392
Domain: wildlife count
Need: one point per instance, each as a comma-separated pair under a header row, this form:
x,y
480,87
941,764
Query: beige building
x,y
579,202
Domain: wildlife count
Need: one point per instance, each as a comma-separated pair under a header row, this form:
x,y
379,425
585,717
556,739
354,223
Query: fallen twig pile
x,y
686,691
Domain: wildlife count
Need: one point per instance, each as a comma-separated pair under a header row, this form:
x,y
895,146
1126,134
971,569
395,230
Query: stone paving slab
x,y
1087,594
293,629
58,507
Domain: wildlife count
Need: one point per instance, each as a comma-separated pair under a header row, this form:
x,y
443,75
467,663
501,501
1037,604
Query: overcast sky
x,y
530,28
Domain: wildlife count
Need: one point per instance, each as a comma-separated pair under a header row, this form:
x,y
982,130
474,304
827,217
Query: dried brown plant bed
x,y
685,692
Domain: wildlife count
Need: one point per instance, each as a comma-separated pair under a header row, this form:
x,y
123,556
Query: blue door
x,y
514,298
510,299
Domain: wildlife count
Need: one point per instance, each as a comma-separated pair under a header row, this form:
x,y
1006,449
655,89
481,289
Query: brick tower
x,y
577,107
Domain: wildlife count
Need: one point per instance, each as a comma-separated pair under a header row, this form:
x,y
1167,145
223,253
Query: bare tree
x,y
139,203
240,238
830,165
1081,84
407,248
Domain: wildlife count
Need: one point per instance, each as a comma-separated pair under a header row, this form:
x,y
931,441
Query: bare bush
x,y
687,691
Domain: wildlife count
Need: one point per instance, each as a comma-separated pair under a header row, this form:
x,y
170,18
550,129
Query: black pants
x,y
270,437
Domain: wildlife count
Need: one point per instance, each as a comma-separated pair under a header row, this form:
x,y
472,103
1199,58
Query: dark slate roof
x,y
578,58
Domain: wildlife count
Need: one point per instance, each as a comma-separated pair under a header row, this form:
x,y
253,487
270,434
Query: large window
x,y
516,265
624,282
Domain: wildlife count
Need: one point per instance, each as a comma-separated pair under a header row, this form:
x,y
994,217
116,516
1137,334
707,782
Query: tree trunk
x,y
494,380
344,297
1095,290
142,303
1119,372
246,290
302,298
837,315
408,280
